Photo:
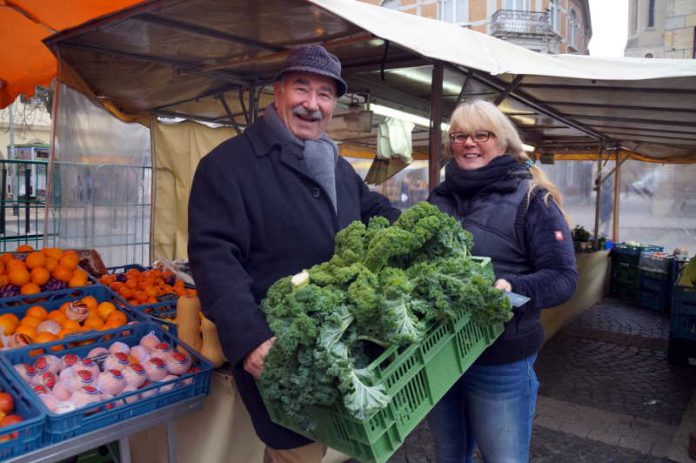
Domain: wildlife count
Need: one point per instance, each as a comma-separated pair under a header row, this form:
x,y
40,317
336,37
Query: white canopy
x,y
185,58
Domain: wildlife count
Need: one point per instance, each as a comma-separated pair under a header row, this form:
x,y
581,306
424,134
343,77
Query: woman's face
x,y
474,150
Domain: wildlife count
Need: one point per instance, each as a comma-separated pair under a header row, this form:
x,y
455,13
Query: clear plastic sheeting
x,y
101,182
657,203
405,189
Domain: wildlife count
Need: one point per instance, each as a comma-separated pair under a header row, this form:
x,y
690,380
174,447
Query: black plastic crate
x,y
681,351
652,300
655,282
683,322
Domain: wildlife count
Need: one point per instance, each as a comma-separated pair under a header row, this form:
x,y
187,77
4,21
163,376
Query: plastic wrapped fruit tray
x,y
20,305
25,436
59,427
416,377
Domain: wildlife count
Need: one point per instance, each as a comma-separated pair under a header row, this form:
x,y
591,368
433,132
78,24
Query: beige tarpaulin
x,y
592,276
177,148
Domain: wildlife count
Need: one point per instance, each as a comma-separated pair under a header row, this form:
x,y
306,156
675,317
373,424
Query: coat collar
x,y
263,138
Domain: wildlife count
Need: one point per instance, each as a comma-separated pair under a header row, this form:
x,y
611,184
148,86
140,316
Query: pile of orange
x,y
143,287
34,269
101,316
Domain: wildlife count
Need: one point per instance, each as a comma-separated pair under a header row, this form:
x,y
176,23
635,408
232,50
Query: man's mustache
x,y
305,114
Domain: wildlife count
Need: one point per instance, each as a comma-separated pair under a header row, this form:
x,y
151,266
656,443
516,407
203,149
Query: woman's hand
x,y
503,284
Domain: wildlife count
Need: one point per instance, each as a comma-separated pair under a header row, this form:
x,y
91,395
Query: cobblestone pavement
x,y
608,370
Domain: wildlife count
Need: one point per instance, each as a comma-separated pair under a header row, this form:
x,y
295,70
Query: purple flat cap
x,y
316,60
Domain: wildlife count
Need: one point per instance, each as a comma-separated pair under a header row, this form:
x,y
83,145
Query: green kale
x,y
385,285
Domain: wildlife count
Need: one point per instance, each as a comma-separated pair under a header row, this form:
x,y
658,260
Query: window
x,y
454,11
649,55
651,13
521,5
391,4
572,29
555,9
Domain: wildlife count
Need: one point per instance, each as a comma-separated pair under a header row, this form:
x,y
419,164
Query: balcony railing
x,y
516,22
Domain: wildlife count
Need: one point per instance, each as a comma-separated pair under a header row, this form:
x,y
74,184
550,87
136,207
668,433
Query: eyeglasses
x,y
480,136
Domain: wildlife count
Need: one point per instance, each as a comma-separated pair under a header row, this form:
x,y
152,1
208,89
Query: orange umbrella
x,y
25,62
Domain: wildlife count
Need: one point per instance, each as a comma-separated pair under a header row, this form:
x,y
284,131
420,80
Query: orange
x,y
11,316
24,248
58,316
72,325
90,301
65,332
107,279
34,260
6,257
126,293
29,288
93,322
37,311
77,281
105,309
7,326
45,337
15,264
40,276
53,253
18,277
29,331
69,260
30,321
64,306
4,280
117,318
62,273
51,264
141,297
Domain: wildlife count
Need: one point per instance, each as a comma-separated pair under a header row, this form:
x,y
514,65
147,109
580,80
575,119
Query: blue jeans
x,y
492,407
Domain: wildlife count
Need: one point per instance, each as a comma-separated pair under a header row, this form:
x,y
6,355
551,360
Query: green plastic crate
x,y
416,377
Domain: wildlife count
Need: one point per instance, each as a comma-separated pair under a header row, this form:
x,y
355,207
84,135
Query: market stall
x,y
213,61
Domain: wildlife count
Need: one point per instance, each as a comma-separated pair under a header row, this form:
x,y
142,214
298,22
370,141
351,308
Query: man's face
x,y
305,103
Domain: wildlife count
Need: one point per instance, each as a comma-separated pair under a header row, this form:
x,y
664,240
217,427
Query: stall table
x,y
118,431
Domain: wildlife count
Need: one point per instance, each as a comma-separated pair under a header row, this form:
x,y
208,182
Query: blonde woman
x,y
515,215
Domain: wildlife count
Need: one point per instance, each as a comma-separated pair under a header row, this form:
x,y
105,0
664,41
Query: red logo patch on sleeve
x,y
559,235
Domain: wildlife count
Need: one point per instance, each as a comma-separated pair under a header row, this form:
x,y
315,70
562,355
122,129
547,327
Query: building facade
x,y
546,26
661,29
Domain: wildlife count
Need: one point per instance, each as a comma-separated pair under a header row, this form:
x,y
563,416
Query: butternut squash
x,y
188,325
211,348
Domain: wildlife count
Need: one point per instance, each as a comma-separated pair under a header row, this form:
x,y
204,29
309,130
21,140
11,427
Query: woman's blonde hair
x,y
481,115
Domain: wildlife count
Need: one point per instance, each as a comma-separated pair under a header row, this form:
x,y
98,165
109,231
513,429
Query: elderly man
x,y
267,204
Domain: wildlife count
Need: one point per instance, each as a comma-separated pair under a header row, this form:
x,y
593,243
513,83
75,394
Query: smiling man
x,y
267,204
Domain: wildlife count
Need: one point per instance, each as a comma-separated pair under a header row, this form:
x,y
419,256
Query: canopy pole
x,y
598,196
230,116
617,196
435,151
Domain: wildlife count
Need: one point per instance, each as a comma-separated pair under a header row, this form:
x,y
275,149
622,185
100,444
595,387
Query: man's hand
x,y
253,363
504,285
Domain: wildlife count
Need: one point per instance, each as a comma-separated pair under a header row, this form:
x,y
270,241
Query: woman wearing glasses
x,y
514,212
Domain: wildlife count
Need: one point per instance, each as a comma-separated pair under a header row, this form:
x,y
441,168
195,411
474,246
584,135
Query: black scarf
x,y
503,174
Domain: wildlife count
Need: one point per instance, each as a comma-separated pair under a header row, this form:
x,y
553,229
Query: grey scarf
x,y
319,156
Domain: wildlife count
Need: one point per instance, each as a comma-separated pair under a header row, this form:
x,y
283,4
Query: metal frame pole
x,y
435,151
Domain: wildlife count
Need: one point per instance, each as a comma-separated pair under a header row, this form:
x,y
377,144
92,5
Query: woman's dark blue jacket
x,y
528,240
